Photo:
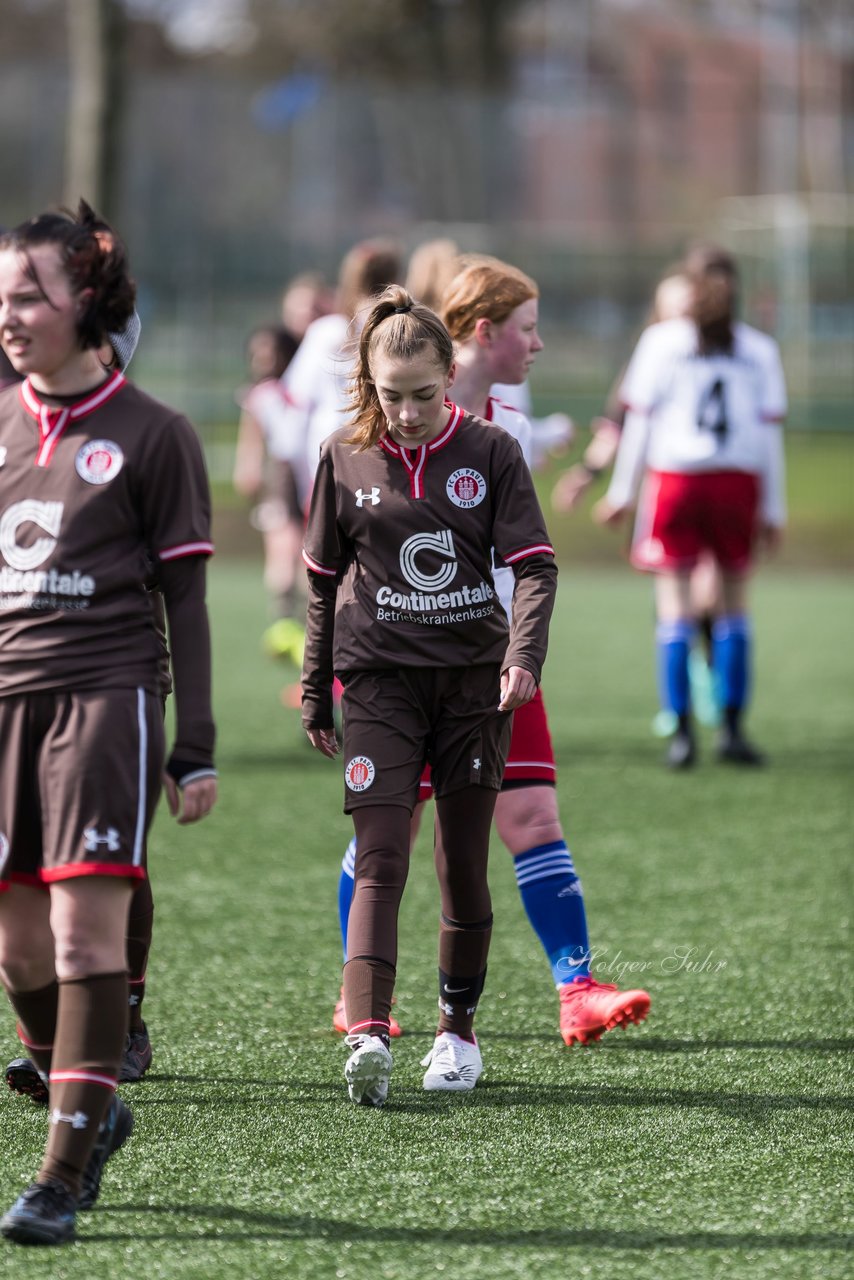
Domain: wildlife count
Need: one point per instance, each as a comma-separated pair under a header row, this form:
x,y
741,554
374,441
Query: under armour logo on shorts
x,y
94,839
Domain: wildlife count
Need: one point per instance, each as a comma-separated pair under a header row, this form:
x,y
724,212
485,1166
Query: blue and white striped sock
x,y
345,890
552,897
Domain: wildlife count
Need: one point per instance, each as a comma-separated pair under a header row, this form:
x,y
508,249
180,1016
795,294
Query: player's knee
x,y
79,955
21,969
527,817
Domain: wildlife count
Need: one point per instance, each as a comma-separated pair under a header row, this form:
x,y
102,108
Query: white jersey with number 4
x,y
691,413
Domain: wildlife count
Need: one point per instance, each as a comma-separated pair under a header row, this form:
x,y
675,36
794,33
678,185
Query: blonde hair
x,y
672,297
484,288
432,267
398,326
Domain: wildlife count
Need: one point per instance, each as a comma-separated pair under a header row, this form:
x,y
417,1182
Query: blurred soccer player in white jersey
x,y
702,456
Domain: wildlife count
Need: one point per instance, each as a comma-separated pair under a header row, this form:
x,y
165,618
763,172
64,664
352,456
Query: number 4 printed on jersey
x,y
711,411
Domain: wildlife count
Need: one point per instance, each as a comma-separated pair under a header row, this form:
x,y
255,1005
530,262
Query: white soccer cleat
x,y
367,1071
452,1063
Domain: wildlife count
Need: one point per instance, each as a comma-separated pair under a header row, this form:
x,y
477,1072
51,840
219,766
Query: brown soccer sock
x,y
140,927
91,1027
36,1012
368,988
463,950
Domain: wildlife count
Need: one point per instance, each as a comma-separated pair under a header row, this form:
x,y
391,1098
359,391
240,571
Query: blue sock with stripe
x,y
731,640
345,890
552,897
673,645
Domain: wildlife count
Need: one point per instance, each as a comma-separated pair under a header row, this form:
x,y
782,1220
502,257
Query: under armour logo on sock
x,y
77,1120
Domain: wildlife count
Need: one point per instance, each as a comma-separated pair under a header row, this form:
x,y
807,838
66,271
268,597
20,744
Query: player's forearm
x,y
773,479
533,602
631,457
183,584
317,673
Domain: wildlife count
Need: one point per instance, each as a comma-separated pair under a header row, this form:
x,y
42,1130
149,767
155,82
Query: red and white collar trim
x,y
415,460
53,420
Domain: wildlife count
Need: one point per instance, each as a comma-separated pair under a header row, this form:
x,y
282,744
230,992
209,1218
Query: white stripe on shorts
x,y
139,835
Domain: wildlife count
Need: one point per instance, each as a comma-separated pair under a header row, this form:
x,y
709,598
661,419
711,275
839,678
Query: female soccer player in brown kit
x,y
408,502
491,311
103,494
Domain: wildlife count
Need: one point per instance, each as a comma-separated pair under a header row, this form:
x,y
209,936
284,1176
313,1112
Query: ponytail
x,y
713,275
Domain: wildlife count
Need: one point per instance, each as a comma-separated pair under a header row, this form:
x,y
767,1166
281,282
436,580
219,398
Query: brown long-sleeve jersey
x,y
97,495
399,549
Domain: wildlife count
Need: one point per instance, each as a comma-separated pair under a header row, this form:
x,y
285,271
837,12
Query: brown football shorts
x,y
396,721
80,776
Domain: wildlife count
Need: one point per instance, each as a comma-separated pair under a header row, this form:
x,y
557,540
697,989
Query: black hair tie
x,y
399,311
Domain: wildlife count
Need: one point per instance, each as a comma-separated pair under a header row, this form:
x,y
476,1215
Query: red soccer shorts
x,y
681,515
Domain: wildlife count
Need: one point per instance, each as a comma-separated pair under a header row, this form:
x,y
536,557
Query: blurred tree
x,y
96,46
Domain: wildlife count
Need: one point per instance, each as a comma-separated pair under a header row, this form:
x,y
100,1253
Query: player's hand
x,y
570,489
192,802
325,741
607,514
518,686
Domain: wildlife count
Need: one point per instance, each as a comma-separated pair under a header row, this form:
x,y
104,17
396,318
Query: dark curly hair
x,y
94,259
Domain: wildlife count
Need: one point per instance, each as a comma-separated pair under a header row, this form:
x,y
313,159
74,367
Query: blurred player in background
x,y
317,378
705,400
115,487
305,299
407,505
491,311
431,268
264,473
671,300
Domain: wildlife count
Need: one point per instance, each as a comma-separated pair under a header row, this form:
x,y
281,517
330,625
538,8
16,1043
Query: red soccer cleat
x,y
339,1019
588,1008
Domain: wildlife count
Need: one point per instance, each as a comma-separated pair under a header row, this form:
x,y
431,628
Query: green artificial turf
x,y
712,1141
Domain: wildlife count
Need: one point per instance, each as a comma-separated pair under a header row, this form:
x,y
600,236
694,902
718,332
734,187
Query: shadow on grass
x,y
827,759
513,1093
802,1043
254,1225
651,1044
508,1093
